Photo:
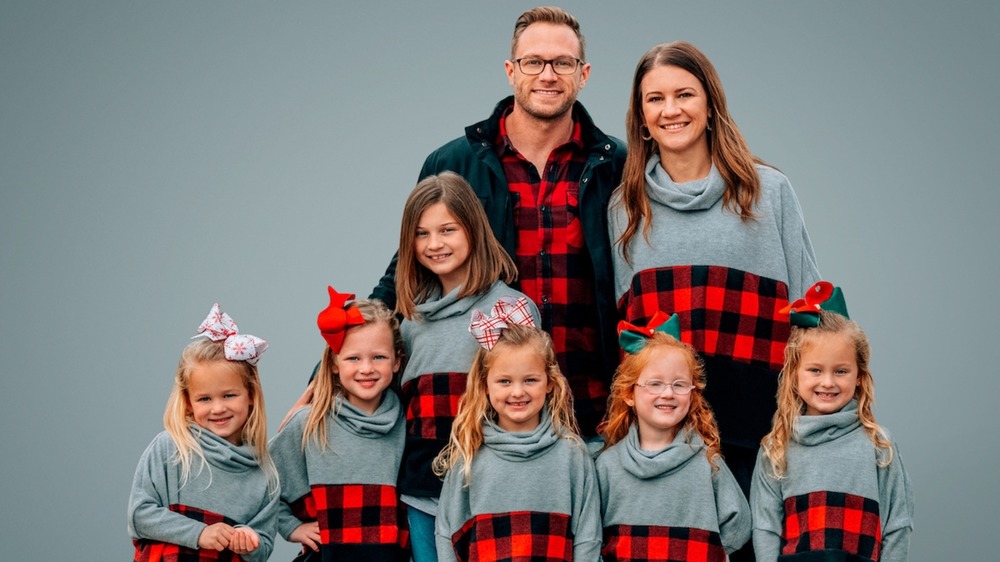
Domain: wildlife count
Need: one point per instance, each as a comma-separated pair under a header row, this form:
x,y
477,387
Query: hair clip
x,y
506,312
218,326
335,318
633,338
822,295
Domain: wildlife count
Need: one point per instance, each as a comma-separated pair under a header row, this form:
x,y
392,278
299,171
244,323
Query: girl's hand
x,y
244,540
215,537
307,534
302,402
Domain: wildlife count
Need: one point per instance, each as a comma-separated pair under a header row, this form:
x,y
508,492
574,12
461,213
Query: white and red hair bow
x,y
506,312
218,326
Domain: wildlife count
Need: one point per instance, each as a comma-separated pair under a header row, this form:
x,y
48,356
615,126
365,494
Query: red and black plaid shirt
x,y
554,268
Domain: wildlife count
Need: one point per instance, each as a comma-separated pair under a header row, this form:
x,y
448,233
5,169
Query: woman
x,y
704,229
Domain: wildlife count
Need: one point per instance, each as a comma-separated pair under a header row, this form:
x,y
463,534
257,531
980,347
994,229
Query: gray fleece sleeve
x,y
732,508
149,515
767,511
896,506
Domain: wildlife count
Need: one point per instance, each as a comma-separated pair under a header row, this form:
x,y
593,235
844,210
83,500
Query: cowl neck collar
x,y
816,430
223,454
651,464
516,446
447,306
369,426
695,195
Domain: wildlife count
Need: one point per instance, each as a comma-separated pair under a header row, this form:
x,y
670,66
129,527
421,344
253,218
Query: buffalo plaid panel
x,y
432,404
554,267
152,551
641,543
517,536
304,508
832,521
360,514
723,312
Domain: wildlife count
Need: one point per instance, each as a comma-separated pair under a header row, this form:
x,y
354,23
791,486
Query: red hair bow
x,y
336,317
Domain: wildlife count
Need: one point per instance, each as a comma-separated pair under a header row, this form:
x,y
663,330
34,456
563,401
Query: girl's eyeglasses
x,y
657,388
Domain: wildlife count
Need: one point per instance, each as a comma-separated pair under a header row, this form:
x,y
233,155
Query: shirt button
x,y
585,180
543,209
541,253
486,144
545,299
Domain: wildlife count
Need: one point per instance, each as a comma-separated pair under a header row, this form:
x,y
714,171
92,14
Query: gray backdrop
x,y
156,157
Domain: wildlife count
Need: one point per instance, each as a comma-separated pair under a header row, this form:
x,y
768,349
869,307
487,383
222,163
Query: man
x,y
545,173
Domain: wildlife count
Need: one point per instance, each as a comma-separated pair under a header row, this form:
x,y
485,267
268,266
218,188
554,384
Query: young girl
x,y
829,483
449,265
206,489
519,482
661,477
338,458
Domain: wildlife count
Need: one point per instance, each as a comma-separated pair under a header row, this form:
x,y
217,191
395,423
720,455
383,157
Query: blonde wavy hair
x,y
474,407
178,419
791,406
621,416
328,385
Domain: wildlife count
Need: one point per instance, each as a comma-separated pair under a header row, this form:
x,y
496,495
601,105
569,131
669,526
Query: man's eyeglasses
x,y
533,66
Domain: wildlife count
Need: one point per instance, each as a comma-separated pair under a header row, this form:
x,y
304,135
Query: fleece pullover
x,y
833,502
350,485
439,351
167,514
727,280
672,497
530,494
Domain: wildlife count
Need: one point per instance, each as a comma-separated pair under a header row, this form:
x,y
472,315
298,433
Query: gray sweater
x,y
691,227
674,487
231,486
360,449
516,478
832,463
438,346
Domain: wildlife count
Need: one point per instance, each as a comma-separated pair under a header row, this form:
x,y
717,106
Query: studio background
x,y
157,157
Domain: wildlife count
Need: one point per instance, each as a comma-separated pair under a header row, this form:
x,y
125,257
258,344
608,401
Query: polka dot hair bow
x,y
218,326
506,312
633,338
822,295
336,317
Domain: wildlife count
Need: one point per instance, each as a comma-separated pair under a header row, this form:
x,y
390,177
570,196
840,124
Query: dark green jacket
x,y
474,157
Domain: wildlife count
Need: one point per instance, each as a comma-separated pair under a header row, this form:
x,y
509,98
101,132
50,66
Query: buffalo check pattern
x,y
516,536
723,312
554,267
360,514
651,543
432,404
153,551
832,521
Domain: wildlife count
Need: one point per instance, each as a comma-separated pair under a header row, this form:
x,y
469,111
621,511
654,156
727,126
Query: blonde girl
x,y
206,489
449,265
661,476
518,479
828,477
338,458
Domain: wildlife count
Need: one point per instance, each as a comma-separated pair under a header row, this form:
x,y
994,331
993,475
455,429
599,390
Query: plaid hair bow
x,y
822,295
506,312
218,326
335,318
633,338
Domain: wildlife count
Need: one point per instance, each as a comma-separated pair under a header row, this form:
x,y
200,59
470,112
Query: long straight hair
x,y
488,261
727,147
